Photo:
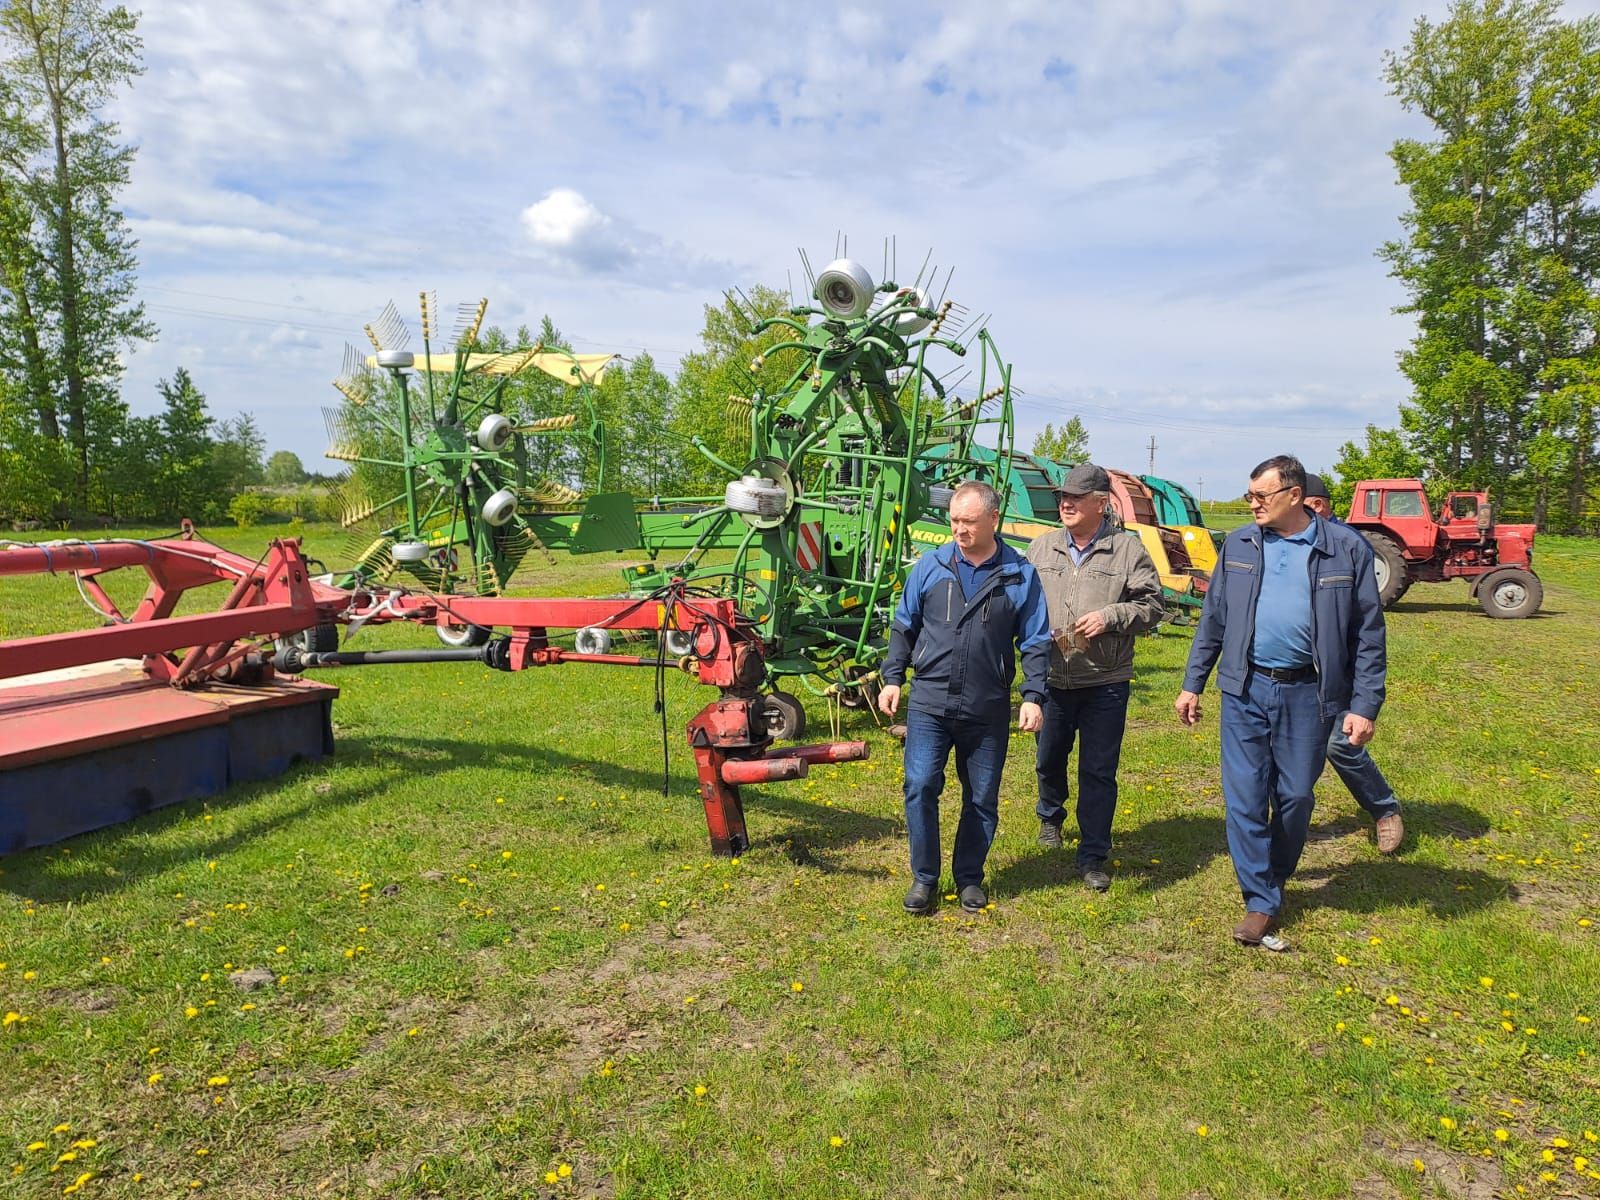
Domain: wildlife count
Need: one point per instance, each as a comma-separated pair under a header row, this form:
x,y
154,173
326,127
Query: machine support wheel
x,y
461,636
1390,566
319,639
786,719
1510,592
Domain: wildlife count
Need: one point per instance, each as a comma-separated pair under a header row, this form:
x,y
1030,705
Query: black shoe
x,y
922,899
974,898
1050,835
1095,877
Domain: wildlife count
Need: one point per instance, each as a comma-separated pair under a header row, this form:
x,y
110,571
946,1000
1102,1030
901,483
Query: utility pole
x,y
1152,454
1200,489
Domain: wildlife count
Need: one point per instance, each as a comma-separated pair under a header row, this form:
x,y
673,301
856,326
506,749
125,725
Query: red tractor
x,y
1464,543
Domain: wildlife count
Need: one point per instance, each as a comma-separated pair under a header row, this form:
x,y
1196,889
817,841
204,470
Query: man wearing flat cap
x,y
1353,764
1101,589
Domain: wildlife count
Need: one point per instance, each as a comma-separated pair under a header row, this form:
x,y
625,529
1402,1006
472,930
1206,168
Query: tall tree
x,y
1501,248
1069,445
66,59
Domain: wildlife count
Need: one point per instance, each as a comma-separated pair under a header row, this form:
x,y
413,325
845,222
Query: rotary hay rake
x,y
863,439
452,477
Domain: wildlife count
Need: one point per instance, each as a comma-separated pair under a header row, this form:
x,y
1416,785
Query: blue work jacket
x,y
1347,636
960,647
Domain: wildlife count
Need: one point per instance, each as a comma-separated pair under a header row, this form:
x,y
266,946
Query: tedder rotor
x,y
863,437
457,455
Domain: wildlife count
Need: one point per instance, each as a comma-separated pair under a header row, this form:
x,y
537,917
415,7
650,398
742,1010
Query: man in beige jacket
x,y
1101,589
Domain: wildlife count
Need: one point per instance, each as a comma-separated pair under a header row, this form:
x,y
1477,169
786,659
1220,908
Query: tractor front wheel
x,y
1510,592
786,719
1390,567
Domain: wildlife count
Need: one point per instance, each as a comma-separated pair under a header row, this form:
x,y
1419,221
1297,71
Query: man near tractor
x,y
1293,625
1102,589
964,606
1353,764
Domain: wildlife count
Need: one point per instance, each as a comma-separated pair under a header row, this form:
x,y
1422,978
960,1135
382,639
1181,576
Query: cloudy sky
x,y
1170,207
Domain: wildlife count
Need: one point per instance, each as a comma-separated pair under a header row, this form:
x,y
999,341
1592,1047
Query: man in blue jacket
x,y
1293,625
964,606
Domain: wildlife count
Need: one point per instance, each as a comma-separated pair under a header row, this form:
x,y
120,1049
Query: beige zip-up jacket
x,y
1117,580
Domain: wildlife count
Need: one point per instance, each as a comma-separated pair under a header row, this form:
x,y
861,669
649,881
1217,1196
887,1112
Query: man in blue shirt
x,y
964,607
1293,625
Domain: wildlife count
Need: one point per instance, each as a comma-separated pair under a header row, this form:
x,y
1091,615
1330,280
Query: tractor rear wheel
x,y
1390,567
786,718
1510,592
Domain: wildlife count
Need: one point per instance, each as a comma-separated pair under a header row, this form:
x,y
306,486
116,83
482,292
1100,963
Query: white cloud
x,y
574,231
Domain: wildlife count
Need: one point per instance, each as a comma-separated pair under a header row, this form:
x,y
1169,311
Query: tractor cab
x,y
1466,516
1399,507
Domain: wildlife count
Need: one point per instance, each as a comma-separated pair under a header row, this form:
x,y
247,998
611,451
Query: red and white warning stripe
x,y
808,545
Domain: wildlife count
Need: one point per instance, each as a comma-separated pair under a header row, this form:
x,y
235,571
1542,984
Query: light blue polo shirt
x,y
1283,609
1077,555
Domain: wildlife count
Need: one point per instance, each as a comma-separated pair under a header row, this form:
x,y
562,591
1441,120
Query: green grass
x,y
496,948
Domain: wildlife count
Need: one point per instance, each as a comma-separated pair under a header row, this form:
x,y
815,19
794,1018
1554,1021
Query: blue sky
x,y
1170,207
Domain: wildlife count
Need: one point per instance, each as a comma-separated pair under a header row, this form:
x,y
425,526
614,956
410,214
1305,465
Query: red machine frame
x,y
276,596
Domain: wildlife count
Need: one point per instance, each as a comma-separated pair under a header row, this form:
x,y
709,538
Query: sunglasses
x,y
1263,497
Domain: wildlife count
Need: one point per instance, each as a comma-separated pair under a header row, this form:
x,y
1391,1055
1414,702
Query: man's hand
x,y
1188,707
1091,625
1358,729
1030,719
889,699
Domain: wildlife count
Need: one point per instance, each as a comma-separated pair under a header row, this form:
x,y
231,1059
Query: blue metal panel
x,y
49,801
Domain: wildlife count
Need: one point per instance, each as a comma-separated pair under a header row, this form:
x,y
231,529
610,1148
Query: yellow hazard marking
x,y
661,616
764,574
850,602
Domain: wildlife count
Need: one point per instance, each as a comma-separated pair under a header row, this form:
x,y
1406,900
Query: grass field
x,y
502,964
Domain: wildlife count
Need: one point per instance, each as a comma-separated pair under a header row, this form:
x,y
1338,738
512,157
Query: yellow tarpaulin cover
x,y
571,369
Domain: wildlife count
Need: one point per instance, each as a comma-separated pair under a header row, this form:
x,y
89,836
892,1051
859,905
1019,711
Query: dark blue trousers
x,y
1095,717
1360,774
980,750
1274,742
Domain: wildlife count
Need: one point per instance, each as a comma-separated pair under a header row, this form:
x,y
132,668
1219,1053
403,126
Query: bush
x,y
247,508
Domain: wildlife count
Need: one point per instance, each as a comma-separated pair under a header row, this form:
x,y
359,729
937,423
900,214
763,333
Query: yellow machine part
x,y
1197,541
571,369
1149,535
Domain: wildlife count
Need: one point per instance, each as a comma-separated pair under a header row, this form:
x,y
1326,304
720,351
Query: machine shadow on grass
x,y
820,832
45,874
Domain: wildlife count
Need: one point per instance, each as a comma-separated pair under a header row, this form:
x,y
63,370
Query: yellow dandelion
x,y
1338,1027
564,1170
1560,1143
155,1078
1547,1176
505,854
624,926
690,999
201,1152
1391,999
11,1018
32,1147
1447,1122
797,986
30,974
1579,1162
1589,1135
599,887
550,1176
1486,981
67,1156
64,1127
1418,1166
700,1089
413,1031
1202,1131
1341,960
1366,1041
280,949
217,1081
1500,1135
836,1141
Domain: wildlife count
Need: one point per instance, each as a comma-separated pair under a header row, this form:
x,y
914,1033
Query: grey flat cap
x,y
1083,479
1316,487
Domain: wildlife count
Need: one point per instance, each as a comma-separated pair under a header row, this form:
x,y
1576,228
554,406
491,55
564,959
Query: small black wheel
x,y
1510,593
462,635
319,639
1390,566
786,719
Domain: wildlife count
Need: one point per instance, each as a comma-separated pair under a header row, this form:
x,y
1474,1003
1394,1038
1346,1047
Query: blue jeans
x,y
1360,774
980,757
1274,741
1100,714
